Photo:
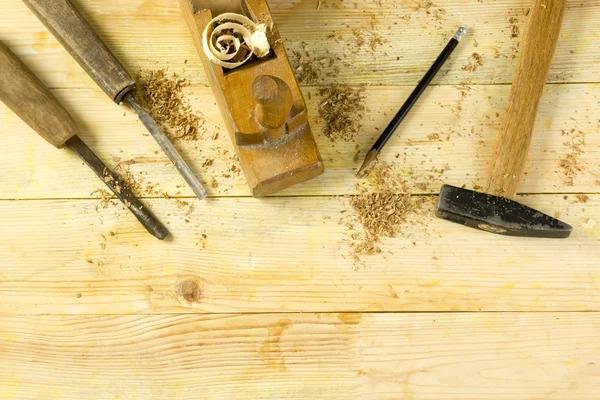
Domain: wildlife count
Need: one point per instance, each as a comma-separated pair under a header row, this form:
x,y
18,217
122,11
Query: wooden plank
x,y
483,356
151,33
453,126
284,254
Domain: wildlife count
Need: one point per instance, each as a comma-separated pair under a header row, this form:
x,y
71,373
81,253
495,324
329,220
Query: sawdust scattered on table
x,y
464,91
187,207
570,163
162,95
311,69
106,198
430,9
367,38
341,110
137,183
475,61
381,206
142,186
514,27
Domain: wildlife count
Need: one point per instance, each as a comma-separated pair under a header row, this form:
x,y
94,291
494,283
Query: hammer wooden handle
x,y
535,58
75,34
31,100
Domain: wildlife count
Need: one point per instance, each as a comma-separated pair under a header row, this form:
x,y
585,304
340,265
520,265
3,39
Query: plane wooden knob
x,y
275,100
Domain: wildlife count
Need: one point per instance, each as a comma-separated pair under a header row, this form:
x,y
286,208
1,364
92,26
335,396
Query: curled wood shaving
x,y
230,40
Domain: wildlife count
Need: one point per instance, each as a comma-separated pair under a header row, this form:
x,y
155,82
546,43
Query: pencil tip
x,y
369,159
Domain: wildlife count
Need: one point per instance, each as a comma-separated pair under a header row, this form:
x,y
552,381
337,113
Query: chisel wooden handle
x,y
535,58
31,100
75,34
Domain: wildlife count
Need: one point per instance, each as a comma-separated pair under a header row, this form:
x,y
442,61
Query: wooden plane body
x,y
262,105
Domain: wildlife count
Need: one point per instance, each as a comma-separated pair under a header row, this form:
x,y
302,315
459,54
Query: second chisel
x,y
76,35
27,97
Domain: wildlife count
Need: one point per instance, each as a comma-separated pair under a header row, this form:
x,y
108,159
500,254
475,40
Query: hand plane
x,y
256,90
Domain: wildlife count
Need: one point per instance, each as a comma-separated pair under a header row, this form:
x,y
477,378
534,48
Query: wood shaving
x,y
162,95
570,162
231,40
185,205
514,27
341,110
475,61
464,91
368,38
380,215
104,196
430,9
311,70
582,198
590,224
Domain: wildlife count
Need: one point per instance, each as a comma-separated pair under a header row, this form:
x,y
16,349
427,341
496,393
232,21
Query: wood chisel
x,y
76,35
28,98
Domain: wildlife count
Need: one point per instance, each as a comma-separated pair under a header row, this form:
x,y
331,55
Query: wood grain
x,y
506,356
153,34
536,52
92,307
284,254
457,126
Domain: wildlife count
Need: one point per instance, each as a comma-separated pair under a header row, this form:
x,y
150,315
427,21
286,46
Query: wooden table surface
x,y
269,305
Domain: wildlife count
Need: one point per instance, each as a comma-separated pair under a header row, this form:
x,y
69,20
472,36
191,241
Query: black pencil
x,y
412,99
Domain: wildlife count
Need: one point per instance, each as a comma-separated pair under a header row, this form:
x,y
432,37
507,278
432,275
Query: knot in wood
x,y
189,290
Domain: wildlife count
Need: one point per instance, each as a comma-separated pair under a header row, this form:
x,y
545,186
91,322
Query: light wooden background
x,y
268,305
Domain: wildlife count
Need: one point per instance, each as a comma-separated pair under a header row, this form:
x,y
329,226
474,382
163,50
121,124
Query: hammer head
x,y
497,215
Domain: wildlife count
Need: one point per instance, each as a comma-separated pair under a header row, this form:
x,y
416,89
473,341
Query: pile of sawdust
x,y
341,110
162,95
570,162
381,207
380,215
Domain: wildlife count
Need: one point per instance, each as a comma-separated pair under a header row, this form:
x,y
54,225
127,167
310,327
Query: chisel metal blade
x,y
114,183
161,138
